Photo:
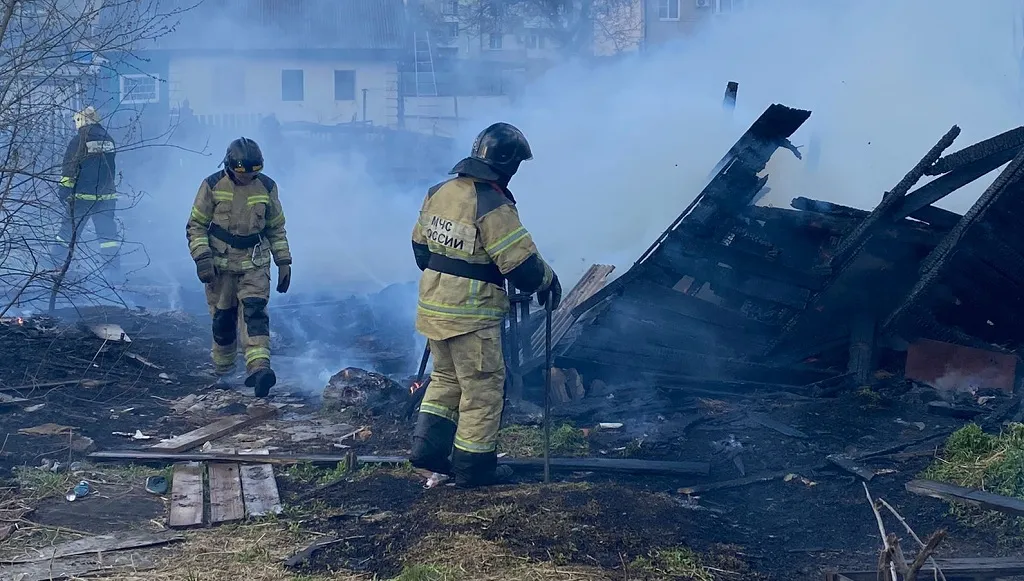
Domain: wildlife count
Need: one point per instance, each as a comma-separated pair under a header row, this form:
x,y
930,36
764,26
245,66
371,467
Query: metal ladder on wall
x,y
426,80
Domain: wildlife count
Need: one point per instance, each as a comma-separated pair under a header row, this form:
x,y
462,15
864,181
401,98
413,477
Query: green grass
x,y
528,441
994,463
675,563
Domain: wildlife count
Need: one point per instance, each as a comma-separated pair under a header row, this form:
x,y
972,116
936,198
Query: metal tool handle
x,y
547,391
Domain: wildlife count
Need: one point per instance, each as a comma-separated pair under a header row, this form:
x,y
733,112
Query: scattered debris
x,y
138,435
223,427
777,426
369,392
81,490
35,408
47,430
110,332
145,362
959,369
848,464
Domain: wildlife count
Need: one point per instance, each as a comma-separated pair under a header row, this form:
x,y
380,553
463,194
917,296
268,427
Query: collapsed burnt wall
x,y
734,292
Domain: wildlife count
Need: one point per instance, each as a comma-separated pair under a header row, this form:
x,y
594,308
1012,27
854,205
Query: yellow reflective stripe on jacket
x,y
279,245
223,195
475,447
96,196
439,411
258,199
110,244
505,242
254,353
67,182
222,263
200,217
462,311
198,243
275,221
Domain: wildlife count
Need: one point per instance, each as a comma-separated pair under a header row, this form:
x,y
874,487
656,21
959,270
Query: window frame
x,y
667,5
302,85
490,40
354,88
126,97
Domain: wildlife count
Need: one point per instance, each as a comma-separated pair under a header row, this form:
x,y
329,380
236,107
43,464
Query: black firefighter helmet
x,y
503,147
243,156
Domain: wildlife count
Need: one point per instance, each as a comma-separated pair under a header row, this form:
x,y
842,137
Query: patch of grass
x,y
675,563
994,463
868,397
468,557
426,573
253,552
40,484
528,441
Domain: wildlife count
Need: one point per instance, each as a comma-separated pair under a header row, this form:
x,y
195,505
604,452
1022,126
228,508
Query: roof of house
x,y
360,25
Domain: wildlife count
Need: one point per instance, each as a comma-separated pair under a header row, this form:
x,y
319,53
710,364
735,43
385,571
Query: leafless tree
x,y
57,56
569,28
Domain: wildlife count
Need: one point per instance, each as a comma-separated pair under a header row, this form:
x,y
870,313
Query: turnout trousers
x,y
461,408
238,307
102,215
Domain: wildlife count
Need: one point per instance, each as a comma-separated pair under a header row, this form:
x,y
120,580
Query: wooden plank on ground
x,y
611,465
259,489
779,427
979,498
217,429
850,465
978,567
97,544
225,493
186,496
77,567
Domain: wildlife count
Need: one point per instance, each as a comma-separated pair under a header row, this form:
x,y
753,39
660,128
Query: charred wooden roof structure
x,y
736,293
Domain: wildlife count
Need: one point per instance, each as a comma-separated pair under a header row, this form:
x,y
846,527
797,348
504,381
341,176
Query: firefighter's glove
x,y
553,293
205,270
284,278
64,194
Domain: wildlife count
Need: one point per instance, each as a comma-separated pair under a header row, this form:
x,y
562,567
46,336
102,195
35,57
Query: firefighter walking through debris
x,y
87,191
236,226
468,241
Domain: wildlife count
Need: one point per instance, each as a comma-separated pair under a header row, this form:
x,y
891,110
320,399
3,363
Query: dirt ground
x,y
380,523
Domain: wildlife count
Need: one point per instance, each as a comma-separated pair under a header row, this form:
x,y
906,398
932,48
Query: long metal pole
x,y
547,391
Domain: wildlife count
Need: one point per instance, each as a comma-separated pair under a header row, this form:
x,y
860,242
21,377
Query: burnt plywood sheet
x,y
949,367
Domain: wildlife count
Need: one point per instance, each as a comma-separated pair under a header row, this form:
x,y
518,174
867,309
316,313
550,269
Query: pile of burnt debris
x,y
739,297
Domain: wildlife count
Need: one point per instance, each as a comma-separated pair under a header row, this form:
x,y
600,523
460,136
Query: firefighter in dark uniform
x,y
87,190
468,241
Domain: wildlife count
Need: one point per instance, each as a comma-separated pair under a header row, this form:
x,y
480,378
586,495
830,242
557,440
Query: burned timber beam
x,y
592,464
1012,140
970,286
941,187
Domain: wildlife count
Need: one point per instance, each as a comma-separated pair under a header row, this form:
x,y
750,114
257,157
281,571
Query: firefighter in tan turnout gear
x,y
236,226
467,242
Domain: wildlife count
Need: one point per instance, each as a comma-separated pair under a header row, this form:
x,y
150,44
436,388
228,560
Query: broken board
x,y
186,496
259,490
225,493
76,567
97,544
979,498
217,429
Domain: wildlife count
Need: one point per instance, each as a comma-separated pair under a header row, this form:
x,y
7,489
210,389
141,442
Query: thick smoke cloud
x,y
621,148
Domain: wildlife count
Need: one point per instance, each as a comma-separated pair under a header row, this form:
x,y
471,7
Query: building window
x,y
140,89
452,30
450,7
534,40
344,85
726,6
668,9
292,88
494,40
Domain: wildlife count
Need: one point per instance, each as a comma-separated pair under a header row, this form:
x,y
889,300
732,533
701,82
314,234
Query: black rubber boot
x,y
261,379
472,470
432,443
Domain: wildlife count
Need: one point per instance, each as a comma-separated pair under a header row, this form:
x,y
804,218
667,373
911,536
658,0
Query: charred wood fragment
x,y
1012,140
